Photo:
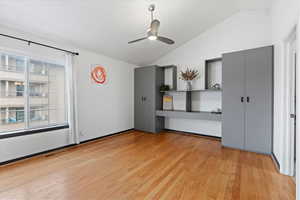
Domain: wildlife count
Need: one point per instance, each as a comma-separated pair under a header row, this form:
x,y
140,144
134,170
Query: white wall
x,y
102,110
244,30
17,147
284,15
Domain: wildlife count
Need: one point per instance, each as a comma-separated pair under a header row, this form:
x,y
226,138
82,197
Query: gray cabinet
x,y
247,100
147,100
233,96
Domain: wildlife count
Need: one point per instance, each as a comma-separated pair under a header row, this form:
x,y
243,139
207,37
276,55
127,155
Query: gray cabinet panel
x,y
160,80
248,124
149,98
258,115
233,78
146,86
139,122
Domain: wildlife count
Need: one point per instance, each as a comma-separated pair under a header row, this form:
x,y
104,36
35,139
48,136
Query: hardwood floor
x,y
138,166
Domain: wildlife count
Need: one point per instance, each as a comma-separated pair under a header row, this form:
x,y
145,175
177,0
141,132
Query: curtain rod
x,y
40,44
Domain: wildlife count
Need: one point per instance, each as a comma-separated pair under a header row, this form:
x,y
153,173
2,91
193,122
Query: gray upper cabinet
x,y
248,100
146,101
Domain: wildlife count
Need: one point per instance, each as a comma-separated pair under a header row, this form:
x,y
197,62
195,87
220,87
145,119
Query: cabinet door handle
x,y
242,99
248,99
293,116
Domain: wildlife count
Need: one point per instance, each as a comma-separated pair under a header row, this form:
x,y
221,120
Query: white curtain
x,y
71,96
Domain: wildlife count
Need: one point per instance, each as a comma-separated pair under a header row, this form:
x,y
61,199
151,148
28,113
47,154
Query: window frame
x,y
34,130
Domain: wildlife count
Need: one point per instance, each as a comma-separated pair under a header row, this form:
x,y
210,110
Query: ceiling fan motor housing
x,y
151,8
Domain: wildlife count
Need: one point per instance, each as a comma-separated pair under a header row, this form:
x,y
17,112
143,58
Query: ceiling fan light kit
x,y
152,33
152,37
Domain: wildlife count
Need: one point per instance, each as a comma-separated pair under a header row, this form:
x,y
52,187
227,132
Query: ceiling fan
x,y
152,32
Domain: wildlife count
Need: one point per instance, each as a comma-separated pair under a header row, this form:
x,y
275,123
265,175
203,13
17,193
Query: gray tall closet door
x,y
144,111
139,122
149,100
258,115
233,76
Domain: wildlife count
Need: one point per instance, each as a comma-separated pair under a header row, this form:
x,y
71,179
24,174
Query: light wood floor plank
x,y
142,166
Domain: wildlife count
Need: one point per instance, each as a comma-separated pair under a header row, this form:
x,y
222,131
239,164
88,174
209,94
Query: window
x,y
20,114
32,93
19,89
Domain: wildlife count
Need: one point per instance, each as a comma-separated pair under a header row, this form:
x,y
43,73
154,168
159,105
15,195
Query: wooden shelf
x,y
189,115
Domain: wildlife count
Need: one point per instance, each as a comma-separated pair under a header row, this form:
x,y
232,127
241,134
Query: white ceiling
x,y
105,26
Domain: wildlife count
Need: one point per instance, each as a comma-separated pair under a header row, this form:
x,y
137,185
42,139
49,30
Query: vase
x,y
188,85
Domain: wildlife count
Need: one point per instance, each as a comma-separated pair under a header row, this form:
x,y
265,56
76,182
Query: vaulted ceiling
x,y
105,26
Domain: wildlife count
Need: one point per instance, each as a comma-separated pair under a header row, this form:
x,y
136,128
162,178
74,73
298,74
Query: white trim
x,y
34,129
298,114
287,165
26,95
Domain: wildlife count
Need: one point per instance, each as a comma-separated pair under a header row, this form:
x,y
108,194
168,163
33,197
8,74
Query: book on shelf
x,y
167,102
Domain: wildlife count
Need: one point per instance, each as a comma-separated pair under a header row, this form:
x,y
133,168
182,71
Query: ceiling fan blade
x,y
165,40
154,26
137,40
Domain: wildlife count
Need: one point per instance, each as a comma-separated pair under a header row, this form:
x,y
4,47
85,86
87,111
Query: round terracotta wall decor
x,y
98,74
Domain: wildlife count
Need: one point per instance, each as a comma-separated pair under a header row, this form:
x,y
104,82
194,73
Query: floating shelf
x,y
189,115
206,90
211,68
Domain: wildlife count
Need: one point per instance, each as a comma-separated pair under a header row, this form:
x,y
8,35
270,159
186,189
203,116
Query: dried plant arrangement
x,y
189,74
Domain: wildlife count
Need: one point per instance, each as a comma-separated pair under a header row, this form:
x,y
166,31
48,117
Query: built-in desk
x,y
189,115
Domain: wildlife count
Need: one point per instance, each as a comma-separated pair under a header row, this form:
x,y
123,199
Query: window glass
x,y
32,93
47,94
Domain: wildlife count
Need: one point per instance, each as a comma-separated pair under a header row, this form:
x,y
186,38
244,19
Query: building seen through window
x,y
32,93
